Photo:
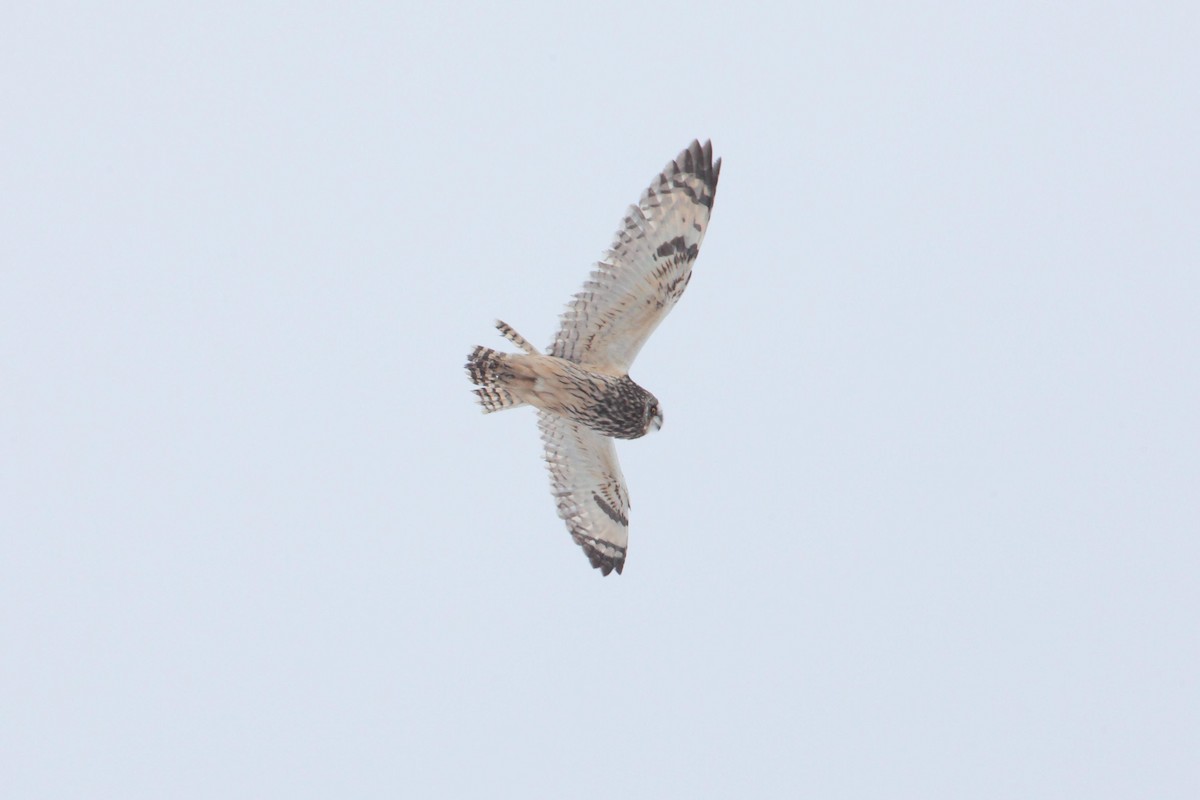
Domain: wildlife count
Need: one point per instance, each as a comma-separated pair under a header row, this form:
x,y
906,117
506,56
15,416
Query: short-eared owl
x,y
581,387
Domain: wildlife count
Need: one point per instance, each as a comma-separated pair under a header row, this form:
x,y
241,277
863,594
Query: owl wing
x,y
588,489
646,269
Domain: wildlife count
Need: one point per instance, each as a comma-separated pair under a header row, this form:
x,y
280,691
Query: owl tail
x,y
488,370
492,370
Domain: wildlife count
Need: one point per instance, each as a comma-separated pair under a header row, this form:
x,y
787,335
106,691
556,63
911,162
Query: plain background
x,y
922,521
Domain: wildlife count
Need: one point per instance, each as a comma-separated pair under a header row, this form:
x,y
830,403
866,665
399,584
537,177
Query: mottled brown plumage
x,y
610,405
582,388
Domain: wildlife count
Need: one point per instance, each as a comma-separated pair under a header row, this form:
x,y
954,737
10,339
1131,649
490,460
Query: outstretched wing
x,y
588,489
646,269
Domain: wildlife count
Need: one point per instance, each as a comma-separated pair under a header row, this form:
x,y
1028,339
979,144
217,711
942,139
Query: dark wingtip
x,y
606,564
696,159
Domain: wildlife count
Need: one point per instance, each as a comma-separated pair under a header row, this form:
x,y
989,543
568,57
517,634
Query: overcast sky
x,y
923,519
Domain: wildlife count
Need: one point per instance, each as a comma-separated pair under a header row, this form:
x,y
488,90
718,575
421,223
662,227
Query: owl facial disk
x,y
656,418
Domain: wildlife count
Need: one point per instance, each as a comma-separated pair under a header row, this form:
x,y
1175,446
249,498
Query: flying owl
x,y
581,386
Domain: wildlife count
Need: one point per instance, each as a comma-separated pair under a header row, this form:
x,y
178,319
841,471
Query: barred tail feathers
x,y
520,341
488,371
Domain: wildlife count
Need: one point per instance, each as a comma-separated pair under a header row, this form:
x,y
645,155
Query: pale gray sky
x,y
923,518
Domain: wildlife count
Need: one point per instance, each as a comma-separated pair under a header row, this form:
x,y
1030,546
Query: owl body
x,y
611,405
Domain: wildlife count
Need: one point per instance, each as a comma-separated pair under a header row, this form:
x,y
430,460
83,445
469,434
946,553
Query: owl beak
x,y
656,422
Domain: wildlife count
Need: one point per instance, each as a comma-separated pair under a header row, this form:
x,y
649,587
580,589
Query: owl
x,y
581,386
